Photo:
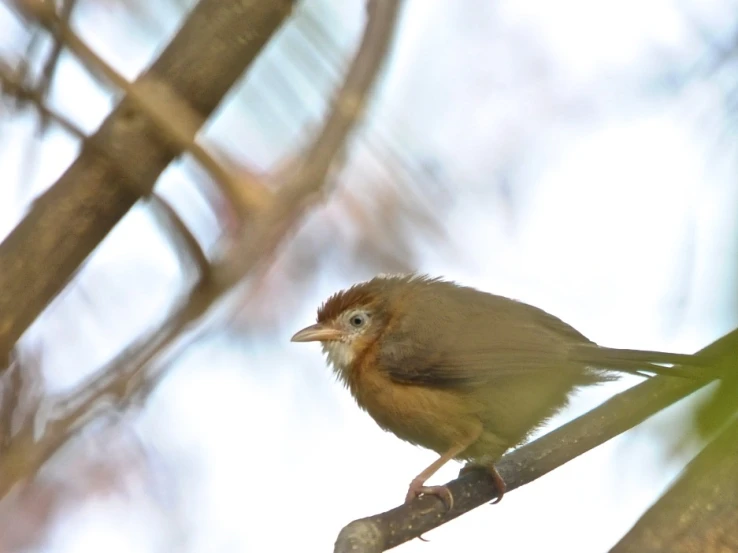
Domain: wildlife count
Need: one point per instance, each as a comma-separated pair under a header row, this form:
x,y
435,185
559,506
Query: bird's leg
x,y
418,487
500,485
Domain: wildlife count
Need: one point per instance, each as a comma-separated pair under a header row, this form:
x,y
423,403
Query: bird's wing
x,y
478,342
473,360
463,337
482,366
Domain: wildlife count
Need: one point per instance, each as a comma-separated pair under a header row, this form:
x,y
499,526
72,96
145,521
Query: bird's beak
x,y
317,333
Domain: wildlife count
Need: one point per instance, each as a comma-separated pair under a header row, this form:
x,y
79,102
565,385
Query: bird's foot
x,y
500,485
417,488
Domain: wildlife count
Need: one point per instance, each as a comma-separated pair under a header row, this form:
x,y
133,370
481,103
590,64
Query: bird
x,y
462,372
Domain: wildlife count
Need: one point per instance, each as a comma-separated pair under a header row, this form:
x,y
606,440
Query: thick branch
x,y
177,122
700,511
217,42
526,464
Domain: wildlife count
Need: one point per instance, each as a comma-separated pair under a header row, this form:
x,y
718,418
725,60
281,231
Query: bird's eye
x,y
357,320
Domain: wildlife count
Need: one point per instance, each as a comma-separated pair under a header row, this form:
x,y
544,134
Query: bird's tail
x,y
643,363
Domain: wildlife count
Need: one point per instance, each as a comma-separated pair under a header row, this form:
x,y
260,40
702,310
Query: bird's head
x,y
349,322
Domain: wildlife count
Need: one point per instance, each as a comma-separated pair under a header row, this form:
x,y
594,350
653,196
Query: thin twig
x,y
307,176
52,61
531,461
32,447
181,236
13,86
350,101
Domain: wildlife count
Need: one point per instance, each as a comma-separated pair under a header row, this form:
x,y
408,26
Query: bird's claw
x,y
417,488
500,485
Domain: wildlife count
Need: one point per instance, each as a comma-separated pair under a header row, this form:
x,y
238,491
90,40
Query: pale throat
x,y
339,354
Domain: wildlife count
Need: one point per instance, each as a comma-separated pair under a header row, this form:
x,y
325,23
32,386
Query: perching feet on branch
x,y
492,471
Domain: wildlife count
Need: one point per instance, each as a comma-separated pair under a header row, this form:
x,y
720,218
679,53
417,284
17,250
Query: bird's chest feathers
x,y
417,414
352,364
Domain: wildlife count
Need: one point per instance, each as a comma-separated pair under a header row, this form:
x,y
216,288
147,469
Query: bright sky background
x,y
269,453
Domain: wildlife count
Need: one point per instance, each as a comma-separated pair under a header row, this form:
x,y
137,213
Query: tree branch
x,y
531,461
11,84
173,116
37,441
184,243
350,101
306,176
134,370
217,42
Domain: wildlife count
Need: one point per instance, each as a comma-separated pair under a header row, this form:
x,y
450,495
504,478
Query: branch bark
x,y
219,40
531,461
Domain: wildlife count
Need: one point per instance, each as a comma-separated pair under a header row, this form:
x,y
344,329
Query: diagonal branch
x,y
524,465
131,374
29,451
531,461
12,85
217,42
175,119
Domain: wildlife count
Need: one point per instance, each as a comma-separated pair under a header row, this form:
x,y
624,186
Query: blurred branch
x,y
28,451
11,84
178,232
174,117
718,51
11,382
350,102
52,61
305,176
699,512
162,209
133,372
531,461
219,39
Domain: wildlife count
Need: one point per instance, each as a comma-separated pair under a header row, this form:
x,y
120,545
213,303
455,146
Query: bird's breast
x,y
432,418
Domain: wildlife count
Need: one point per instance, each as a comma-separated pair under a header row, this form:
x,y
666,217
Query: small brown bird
x,y
462,372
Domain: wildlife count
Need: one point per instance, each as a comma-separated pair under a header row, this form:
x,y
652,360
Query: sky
x,y
614,209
